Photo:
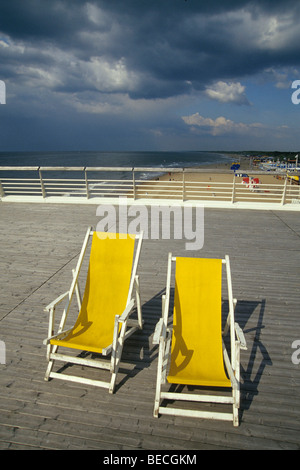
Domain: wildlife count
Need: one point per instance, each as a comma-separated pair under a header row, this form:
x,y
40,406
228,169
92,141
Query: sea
x,y
153,159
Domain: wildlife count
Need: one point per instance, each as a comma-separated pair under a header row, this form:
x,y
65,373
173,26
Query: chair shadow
x,y
258,358
152,311
139,351
139,344
252,373
180,350
136,345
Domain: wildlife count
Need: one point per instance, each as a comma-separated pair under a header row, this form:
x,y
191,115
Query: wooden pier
x,y
39,247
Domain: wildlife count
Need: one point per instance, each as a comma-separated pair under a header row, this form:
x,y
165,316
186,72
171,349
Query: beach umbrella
x,y
235,166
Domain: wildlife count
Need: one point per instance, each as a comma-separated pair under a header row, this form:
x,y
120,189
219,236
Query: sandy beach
x,y
215,180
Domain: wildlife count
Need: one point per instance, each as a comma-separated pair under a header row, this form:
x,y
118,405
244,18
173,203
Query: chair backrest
x,y
107,286
197,352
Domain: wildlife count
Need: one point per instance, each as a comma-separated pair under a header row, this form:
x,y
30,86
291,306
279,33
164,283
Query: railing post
x,y
183,185
42,184
2,193
133,184
233,189
284,191
86,184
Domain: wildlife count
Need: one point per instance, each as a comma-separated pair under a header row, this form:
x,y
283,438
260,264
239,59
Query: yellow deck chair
x,y
103,321
194,353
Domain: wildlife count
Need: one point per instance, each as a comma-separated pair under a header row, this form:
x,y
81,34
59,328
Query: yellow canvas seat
x,y
103,321
194,352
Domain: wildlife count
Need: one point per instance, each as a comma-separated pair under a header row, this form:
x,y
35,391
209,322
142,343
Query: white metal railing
x,y
92,182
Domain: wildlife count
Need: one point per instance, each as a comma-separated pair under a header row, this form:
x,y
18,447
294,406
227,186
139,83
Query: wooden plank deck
x,y
39,247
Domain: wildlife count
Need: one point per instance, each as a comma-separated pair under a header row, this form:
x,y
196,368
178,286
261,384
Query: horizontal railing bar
x,y
106,189
61,168
24,192
160,196
110,186
156,191
111,192
241,185
19,168
211,196
20,179
10,185
15,189
247,191
104,180
127,191
158,169
266,185
63,179
82,193
158,181
145,169
158,185
253,198
20,185
108,168
69,185
187,183
211,190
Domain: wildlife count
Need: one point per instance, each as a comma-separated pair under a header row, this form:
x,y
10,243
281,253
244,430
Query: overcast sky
x,y
149,74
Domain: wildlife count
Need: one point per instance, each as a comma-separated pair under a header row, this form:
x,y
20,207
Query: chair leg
x,y
236,404
116,354
157,398
112,384
49,369
159,376
235,415
115,370
50,349
138,302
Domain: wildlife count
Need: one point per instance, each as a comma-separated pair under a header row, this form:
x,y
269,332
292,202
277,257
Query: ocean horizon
x,y
146,159
124,159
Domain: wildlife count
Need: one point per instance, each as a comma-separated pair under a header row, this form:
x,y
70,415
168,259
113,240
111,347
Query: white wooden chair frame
x,y
163,336
123,326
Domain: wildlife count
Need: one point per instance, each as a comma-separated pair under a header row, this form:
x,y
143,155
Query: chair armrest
x,y
127,311
57,336
56,302
158,331
240,336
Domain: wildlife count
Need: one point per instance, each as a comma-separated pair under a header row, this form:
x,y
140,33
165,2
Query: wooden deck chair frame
x,y
163,337
124,326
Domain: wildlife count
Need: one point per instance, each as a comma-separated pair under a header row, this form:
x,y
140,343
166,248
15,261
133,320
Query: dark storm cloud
x,y
147,49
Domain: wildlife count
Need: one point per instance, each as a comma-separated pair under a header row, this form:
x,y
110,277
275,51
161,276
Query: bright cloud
x,y
220,125
227,93
109,76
